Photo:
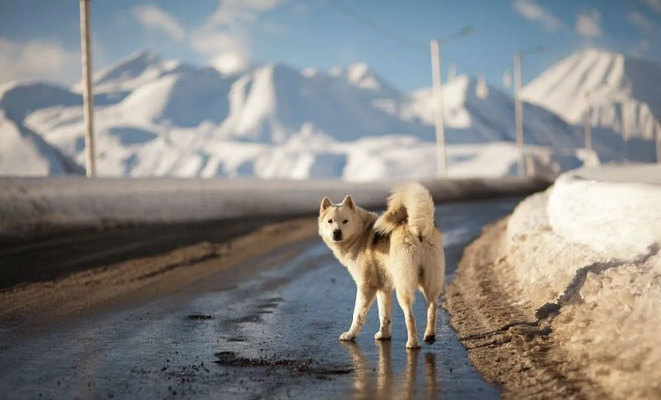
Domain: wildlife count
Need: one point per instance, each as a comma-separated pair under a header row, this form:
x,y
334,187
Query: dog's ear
x,y
325,203
348,202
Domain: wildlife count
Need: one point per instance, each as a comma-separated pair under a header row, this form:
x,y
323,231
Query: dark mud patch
x,y
231,359
236,339
269,303
200,317
300,366
266,306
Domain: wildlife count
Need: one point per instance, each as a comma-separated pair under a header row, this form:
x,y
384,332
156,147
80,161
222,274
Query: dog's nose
x,y
337,234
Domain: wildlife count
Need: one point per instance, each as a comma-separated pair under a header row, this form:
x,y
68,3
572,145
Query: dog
x,y
401,250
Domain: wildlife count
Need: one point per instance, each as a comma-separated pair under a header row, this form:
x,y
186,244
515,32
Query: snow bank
x,y
613,210
586,254
32,206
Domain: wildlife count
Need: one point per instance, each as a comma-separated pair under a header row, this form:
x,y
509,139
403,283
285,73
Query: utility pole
x,y
441,156
437,81
518,106
518,113
88,99
657,142
588,124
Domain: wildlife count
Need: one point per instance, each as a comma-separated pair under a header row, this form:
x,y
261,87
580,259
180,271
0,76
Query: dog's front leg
x,y
364,300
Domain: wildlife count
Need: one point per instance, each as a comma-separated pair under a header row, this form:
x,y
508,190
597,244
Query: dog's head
x,y
339,223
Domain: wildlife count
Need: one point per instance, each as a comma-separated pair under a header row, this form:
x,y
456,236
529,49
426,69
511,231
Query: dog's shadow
x,y
381,382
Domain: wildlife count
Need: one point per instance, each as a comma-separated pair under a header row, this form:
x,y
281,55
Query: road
x,y
265,328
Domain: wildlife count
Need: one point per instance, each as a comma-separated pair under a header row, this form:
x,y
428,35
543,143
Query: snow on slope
x,y
182,99
590,246
157,117
625,97
131,72
562,88
274,102
476,112
276,122
22,151
621,218
361,75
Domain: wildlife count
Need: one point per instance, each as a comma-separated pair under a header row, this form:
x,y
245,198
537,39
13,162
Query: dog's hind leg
x,y
405,299
384,301
431,283
431,296
364,300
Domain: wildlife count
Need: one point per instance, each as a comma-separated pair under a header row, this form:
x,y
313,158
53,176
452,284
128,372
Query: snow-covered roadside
x,y
586,253
32,206
620,218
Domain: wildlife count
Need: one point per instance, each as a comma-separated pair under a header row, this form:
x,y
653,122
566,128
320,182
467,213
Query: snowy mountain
x,y
156,117
22,151
623,93
476,112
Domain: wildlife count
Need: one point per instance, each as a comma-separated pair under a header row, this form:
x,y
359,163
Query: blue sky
x,y
40,39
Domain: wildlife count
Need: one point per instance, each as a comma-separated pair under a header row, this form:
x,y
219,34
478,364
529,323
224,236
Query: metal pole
x,y
88,99
518,112
657,141
588,125
438,109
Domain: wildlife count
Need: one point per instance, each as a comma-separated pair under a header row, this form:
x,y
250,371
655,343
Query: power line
x,y
364,21
361,19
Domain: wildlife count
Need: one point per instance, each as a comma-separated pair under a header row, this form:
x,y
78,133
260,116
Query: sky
x,y
41,39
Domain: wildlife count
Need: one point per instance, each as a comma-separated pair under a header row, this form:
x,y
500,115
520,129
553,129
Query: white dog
x,y
401,250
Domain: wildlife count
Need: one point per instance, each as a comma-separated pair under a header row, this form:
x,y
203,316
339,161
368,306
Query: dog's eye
x,y
330,221
345,221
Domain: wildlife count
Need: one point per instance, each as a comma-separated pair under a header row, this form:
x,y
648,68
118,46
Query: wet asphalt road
x,y
251,335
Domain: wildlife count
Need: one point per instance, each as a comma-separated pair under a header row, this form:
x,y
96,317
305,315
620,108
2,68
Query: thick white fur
x,y
414,201
401,250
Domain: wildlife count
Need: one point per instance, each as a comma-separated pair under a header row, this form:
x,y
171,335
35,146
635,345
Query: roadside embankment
x,y
38,206
563,298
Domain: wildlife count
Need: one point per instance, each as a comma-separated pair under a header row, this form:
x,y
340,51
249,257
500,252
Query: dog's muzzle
x,y
337,235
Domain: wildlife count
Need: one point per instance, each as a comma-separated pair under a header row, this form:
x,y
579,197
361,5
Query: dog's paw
x,y
347,336
430,338
412,344
381,336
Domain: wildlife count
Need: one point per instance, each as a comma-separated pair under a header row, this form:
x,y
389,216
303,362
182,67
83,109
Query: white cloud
x,y
154,18
37,60
231,62
238,12
654,5
641,21
532,11
588,24
641,47
228,52
223,38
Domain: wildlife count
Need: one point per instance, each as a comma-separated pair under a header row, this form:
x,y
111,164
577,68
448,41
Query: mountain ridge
x,y
156,117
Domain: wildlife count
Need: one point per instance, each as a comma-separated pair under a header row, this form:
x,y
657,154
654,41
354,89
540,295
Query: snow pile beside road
x,y
31,206
586,254
621,218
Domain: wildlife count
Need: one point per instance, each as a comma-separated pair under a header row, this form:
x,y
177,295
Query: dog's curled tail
x,y
410,204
